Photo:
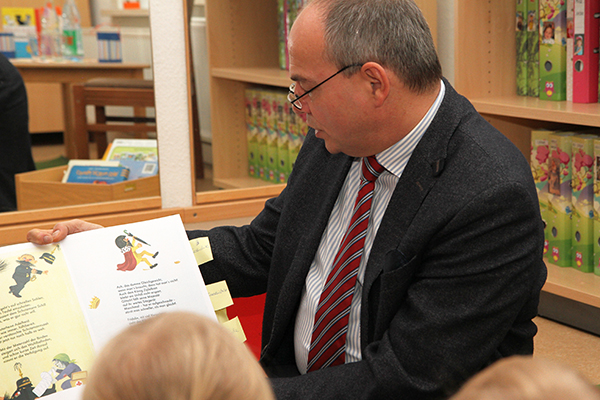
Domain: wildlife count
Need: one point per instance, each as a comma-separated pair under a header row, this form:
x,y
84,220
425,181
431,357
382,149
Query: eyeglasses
x,y
294,99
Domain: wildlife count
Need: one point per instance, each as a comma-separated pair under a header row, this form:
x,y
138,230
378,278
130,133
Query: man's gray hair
x,y
393,33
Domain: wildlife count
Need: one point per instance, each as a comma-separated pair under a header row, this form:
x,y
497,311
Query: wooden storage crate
x,y
44,189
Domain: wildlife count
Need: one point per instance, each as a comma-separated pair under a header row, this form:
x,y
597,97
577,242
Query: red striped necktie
x,y
328,344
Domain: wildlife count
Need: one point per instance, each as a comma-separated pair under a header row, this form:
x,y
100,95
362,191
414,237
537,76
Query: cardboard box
x,y
44,189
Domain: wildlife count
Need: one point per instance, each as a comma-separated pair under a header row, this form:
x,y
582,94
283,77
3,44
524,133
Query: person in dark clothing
x,y
15,142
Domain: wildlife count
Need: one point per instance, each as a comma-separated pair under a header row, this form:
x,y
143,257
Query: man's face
x,y
27,258
332,109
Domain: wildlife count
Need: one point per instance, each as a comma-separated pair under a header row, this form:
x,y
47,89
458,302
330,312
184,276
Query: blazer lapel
x,y
424,167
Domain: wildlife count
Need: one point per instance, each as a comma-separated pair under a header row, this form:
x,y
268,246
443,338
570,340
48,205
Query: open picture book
x,y
61,303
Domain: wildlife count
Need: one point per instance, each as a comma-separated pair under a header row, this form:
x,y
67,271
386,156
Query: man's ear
x,y
379,80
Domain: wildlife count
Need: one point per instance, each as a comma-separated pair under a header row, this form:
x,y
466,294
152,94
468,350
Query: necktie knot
x,y
371,169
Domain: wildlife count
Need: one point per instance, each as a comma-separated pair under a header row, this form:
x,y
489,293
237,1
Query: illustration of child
x,y
131,254
548,33
578,46
24,272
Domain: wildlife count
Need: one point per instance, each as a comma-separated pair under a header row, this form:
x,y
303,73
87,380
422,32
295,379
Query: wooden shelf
x,y
542,110
261,76
485,59
243,50
242,182
573,284
134,13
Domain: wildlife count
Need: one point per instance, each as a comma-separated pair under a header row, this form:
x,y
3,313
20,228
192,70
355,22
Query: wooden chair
x,y
136,93
103,92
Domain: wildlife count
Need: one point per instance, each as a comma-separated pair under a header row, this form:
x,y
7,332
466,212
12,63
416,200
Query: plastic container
x,y
50,37
72,42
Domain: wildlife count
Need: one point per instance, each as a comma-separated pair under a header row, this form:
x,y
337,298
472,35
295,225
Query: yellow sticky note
x,y
235,327
201,249
222,315
219,295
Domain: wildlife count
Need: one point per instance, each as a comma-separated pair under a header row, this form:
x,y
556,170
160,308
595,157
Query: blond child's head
x,y
177,355
528,378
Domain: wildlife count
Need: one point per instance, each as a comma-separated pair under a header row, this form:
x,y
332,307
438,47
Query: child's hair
x,y
528,378
176,355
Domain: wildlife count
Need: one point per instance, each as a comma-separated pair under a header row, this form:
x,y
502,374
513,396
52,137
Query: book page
x,y
42,328
127,273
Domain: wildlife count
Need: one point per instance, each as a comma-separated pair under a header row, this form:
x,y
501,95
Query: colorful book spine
x,y
270,108
538,161
251,108
273,133
570,34
522,49
283,113
553,52
559,198
596,223
533,49
585,51
582,184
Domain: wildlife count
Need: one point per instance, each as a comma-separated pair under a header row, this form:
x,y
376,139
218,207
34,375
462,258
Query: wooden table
x,y
68,73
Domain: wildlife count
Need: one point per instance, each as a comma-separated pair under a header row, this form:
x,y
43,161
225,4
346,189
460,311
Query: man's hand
x,y
60,231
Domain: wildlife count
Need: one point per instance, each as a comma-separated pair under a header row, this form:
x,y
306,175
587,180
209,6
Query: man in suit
x,y
450,272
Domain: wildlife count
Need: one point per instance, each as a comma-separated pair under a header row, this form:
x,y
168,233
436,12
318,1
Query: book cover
x,y
63,302
553,52
18,16
95,171
533,49
139,155
522,48
585,51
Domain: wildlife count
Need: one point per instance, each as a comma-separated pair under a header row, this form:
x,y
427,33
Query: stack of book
x,y
565,170
125,159
557,44
275,134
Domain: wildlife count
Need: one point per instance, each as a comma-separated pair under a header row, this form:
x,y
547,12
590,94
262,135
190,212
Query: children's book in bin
x,y
95,171
139,155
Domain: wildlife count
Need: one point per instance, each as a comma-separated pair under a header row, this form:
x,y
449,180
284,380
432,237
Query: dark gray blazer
x,y
454,275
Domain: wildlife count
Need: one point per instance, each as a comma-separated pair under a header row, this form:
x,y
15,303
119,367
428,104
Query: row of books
x,y
124,159
557,44
287,10
566,171
275,134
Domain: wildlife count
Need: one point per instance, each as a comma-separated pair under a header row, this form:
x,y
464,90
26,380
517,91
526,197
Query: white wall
x,y
170,88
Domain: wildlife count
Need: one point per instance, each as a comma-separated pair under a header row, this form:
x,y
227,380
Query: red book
x,y
585,51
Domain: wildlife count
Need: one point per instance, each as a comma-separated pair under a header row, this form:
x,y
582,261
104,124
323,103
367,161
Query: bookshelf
x,y
243,51
485,73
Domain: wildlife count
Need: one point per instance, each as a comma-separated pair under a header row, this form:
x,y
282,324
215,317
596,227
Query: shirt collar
x,y
395,157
